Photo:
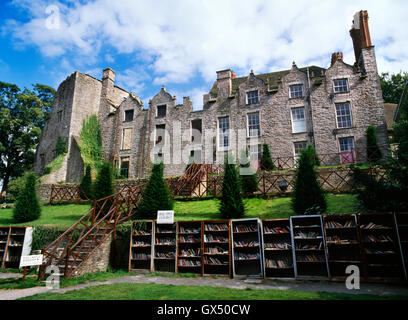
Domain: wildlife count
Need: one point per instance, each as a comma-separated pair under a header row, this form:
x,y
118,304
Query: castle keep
x,y
329,108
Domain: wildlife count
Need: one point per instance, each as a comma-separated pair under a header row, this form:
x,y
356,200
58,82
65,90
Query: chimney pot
x,y
336,56
360,33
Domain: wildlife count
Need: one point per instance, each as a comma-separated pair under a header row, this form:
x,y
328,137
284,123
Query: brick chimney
x,y
224,83
360,33
336,56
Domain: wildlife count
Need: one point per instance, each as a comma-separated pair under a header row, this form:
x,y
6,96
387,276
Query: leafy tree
x,y
86,184
104,182
373,151
392,86
266,158
248,174
22,115
308,195
61,146
27,206
156,195
231,204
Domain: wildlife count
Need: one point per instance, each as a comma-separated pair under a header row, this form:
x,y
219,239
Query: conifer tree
x,y
312,154
103,186
308,195
27,205
231,205
373,151
86,184
248,174
156,195
266,158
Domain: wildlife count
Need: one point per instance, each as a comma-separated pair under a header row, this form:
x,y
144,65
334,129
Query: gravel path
x,y
317,286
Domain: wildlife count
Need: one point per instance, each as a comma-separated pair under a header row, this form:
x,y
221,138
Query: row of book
x,y
238,244
372,225
339,240
378,238
141,244
141,256
165,241
212,260
216,227
245,228
215,250
374,251
309,246
189,230
189,263
281,263
165,230
277,245
189,253
189,239
246,256
310,258
212,238
141,233
276,230
165,255
307,235
336,224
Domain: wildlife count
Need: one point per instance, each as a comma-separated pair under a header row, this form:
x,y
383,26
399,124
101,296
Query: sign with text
x,y
33,260
165,216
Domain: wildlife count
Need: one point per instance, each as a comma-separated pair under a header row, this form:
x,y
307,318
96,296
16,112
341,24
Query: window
x,y
223,129
253,125
298,120
126,139
343,114
340,85
161,111
124,167
59,115
252,97
129,115
196,127
347,153
195,155
298,147
296,91
255,152
160,132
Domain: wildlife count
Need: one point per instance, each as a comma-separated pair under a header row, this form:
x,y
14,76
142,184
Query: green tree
x,y
392,86
61,146
231,202
248,174
373,151
86,184
27,206
156,195
266,158
308,196
22,115
103,186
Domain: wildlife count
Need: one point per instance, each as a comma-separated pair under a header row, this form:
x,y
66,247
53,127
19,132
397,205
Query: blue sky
x,y
181,44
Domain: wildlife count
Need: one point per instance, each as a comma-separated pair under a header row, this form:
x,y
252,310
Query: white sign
x,y
33,260
165,216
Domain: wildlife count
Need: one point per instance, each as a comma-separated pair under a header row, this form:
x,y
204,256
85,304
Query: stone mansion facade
x,y
329,108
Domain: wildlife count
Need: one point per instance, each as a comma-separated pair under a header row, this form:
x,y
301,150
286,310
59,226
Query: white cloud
x,y
179,40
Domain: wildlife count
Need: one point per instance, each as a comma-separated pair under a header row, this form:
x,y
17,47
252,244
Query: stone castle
x,y
329,108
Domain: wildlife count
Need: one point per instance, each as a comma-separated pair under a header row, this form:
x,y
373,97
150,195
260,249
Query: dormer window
x,y
340,85
161,111
252,97
129,115
296,91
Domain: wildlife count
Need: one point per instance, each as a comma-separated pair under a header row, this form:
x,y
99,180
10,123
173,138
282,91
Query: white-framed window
x,y
340,85
343,115
255,152
223,133
161,111
296,91
298,146
254,128
347,153
252,97
298,120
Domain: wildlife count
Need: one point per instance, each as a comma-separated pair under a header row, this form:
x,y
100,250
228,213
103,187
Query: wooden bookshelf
x,y
401,221
277,249
246,242
343,244
141,246
309,251
14,242
189,258
381,251
216,247
165,247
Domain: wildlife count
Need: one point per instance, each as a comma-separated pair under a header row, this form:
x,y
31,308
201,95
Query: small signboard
x,y
165,216
29,261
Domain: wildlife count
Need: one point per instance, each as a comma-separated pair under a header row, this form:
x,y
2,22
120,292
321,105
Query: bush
x,y
104,182
231,204
248,174
27,205
42,236
308,195
266,158
61,146
14,187
156,195
373,151
86,184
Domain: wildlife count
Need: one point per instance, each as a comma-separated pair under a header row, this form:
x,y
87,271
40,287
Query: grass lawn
x,y
142,291
67,215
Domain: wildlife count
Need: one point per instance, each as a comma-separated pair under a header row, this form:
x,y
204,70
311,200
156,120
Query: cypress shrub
x,y
266,158
373,151
248,174
312,154
231,205
27,205
104,182
86,184
308,196
156,195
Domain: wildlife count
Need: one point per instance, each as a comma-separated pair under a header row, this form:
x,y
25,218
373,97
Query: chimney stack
x,y
224,83
336,56
360,33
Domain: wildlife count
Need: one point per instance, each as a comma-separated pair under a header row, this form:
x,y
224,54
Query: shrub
x,y
308,195
248,174
231,204
86,184
27,205
266,158
42,236
104,182
61,146
373,151
14,187
156,195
